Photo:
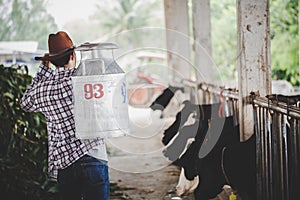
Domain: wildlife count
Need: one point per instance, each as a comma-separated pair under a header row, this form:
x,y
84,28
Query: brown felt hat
x,y
59,45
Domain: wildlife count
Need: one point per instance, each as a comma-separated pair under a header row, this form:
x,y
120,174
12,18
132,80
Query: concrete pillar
x,y
253,57
178,41
202,41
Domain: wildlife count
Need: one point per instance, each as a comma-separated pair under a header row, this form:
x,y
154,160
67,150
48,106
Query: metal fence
x,y
277,129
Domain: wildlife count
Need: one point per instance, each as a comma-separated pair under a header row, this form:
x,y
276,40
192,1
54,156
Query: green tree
x,y
119,15
113,17
224,37
88,31
23,142
284,40
25,20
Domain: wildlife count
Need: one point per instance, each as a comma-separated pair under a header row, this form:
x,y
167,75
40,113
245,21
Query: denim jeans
x,y
87,178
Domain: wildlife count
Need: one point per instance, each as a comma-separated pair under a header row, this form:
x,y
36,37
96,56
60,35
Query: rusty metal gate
x,y
277,129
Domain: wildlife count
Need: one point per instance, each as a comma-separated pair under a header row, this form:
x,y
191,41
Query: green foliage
x,y
25,20
284,40
224,37
23,142
114,17
120,15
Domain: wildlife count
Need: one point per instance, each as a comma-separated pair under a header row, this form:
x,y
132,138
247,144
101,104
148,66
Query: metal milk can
x,y
100,96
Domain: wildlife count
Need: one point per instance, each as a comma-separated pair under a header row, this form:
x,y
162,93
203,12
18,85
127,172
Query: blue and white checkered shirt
x,y
51,94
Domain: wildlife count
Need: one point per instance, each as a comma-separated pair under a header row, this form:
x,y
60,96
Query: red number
x,y
88,91
98,91
93,91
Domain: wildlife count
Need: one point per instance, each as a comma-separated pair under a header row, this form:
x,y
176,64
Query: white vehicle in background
x,y
20,53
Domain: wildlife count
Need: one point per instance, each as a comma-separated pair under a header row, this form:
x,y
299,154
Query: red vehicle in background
x,y
146,82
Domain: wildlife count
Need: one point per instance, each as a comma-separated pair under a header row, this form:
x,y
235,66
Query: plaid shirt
x,y
51,94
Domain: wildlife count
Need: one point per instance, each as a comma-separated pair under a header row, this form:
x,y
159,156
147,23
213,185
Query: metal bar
x,y
285,160
291,111
280,144
297,156
294,153
292,156
265,152
262,157
231,93
236,112
259,188
269,150
297,139
276,173
207,97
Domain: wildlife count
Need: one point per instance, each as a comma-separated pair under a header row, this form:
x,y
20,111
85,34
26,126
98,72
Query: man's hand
x,y
46,62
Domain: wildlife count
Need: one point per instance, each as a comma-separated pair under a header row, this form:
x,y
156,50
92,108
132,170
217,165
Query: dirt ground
x,y
153,185
137,167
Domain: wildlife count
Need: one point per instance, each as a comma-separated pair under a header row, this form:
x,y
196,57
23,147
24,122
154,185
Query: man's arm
x,y
28,100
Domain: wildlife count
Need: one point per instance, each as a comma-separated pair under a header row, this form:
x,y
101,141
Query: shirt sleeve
x,y
28,100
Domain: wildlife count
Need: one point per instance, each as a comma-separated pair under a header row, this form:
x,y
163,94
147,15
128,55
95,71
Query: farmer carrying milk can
x,y
79,105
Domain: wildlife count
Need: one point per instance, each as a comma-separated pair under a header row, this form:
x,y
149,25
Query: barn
x,y
251,140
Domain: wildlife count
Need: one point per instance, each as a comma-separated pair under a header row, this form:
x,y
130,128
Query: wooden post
x,y
177,36
202,38
253,57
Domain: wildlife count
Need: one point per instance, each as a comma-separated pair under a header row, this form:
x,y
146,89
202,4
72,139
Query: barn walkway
x,y
138,169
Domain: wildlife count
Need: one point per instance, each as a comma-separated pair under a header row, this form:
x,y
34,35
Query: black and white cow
x,y
229,162
161,102
199,112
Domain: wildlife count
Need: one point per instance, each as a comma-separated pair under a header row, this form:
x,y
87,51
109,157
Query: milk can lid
x,y
92,46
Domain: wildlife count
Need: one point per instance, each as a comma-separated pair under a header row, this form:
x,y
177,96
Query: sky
x,y
68,10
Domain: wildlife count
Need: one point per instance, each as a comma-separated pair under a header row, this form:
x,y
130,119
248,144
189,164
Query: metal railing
x,y
277,129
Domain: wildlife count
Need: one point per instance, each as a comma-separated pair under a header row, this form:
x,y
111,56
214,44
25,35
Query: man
x,y
80,166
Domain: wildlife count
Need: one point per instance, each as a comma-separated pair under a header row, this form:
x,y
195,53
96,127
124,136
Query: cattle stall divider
x,y
277,129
